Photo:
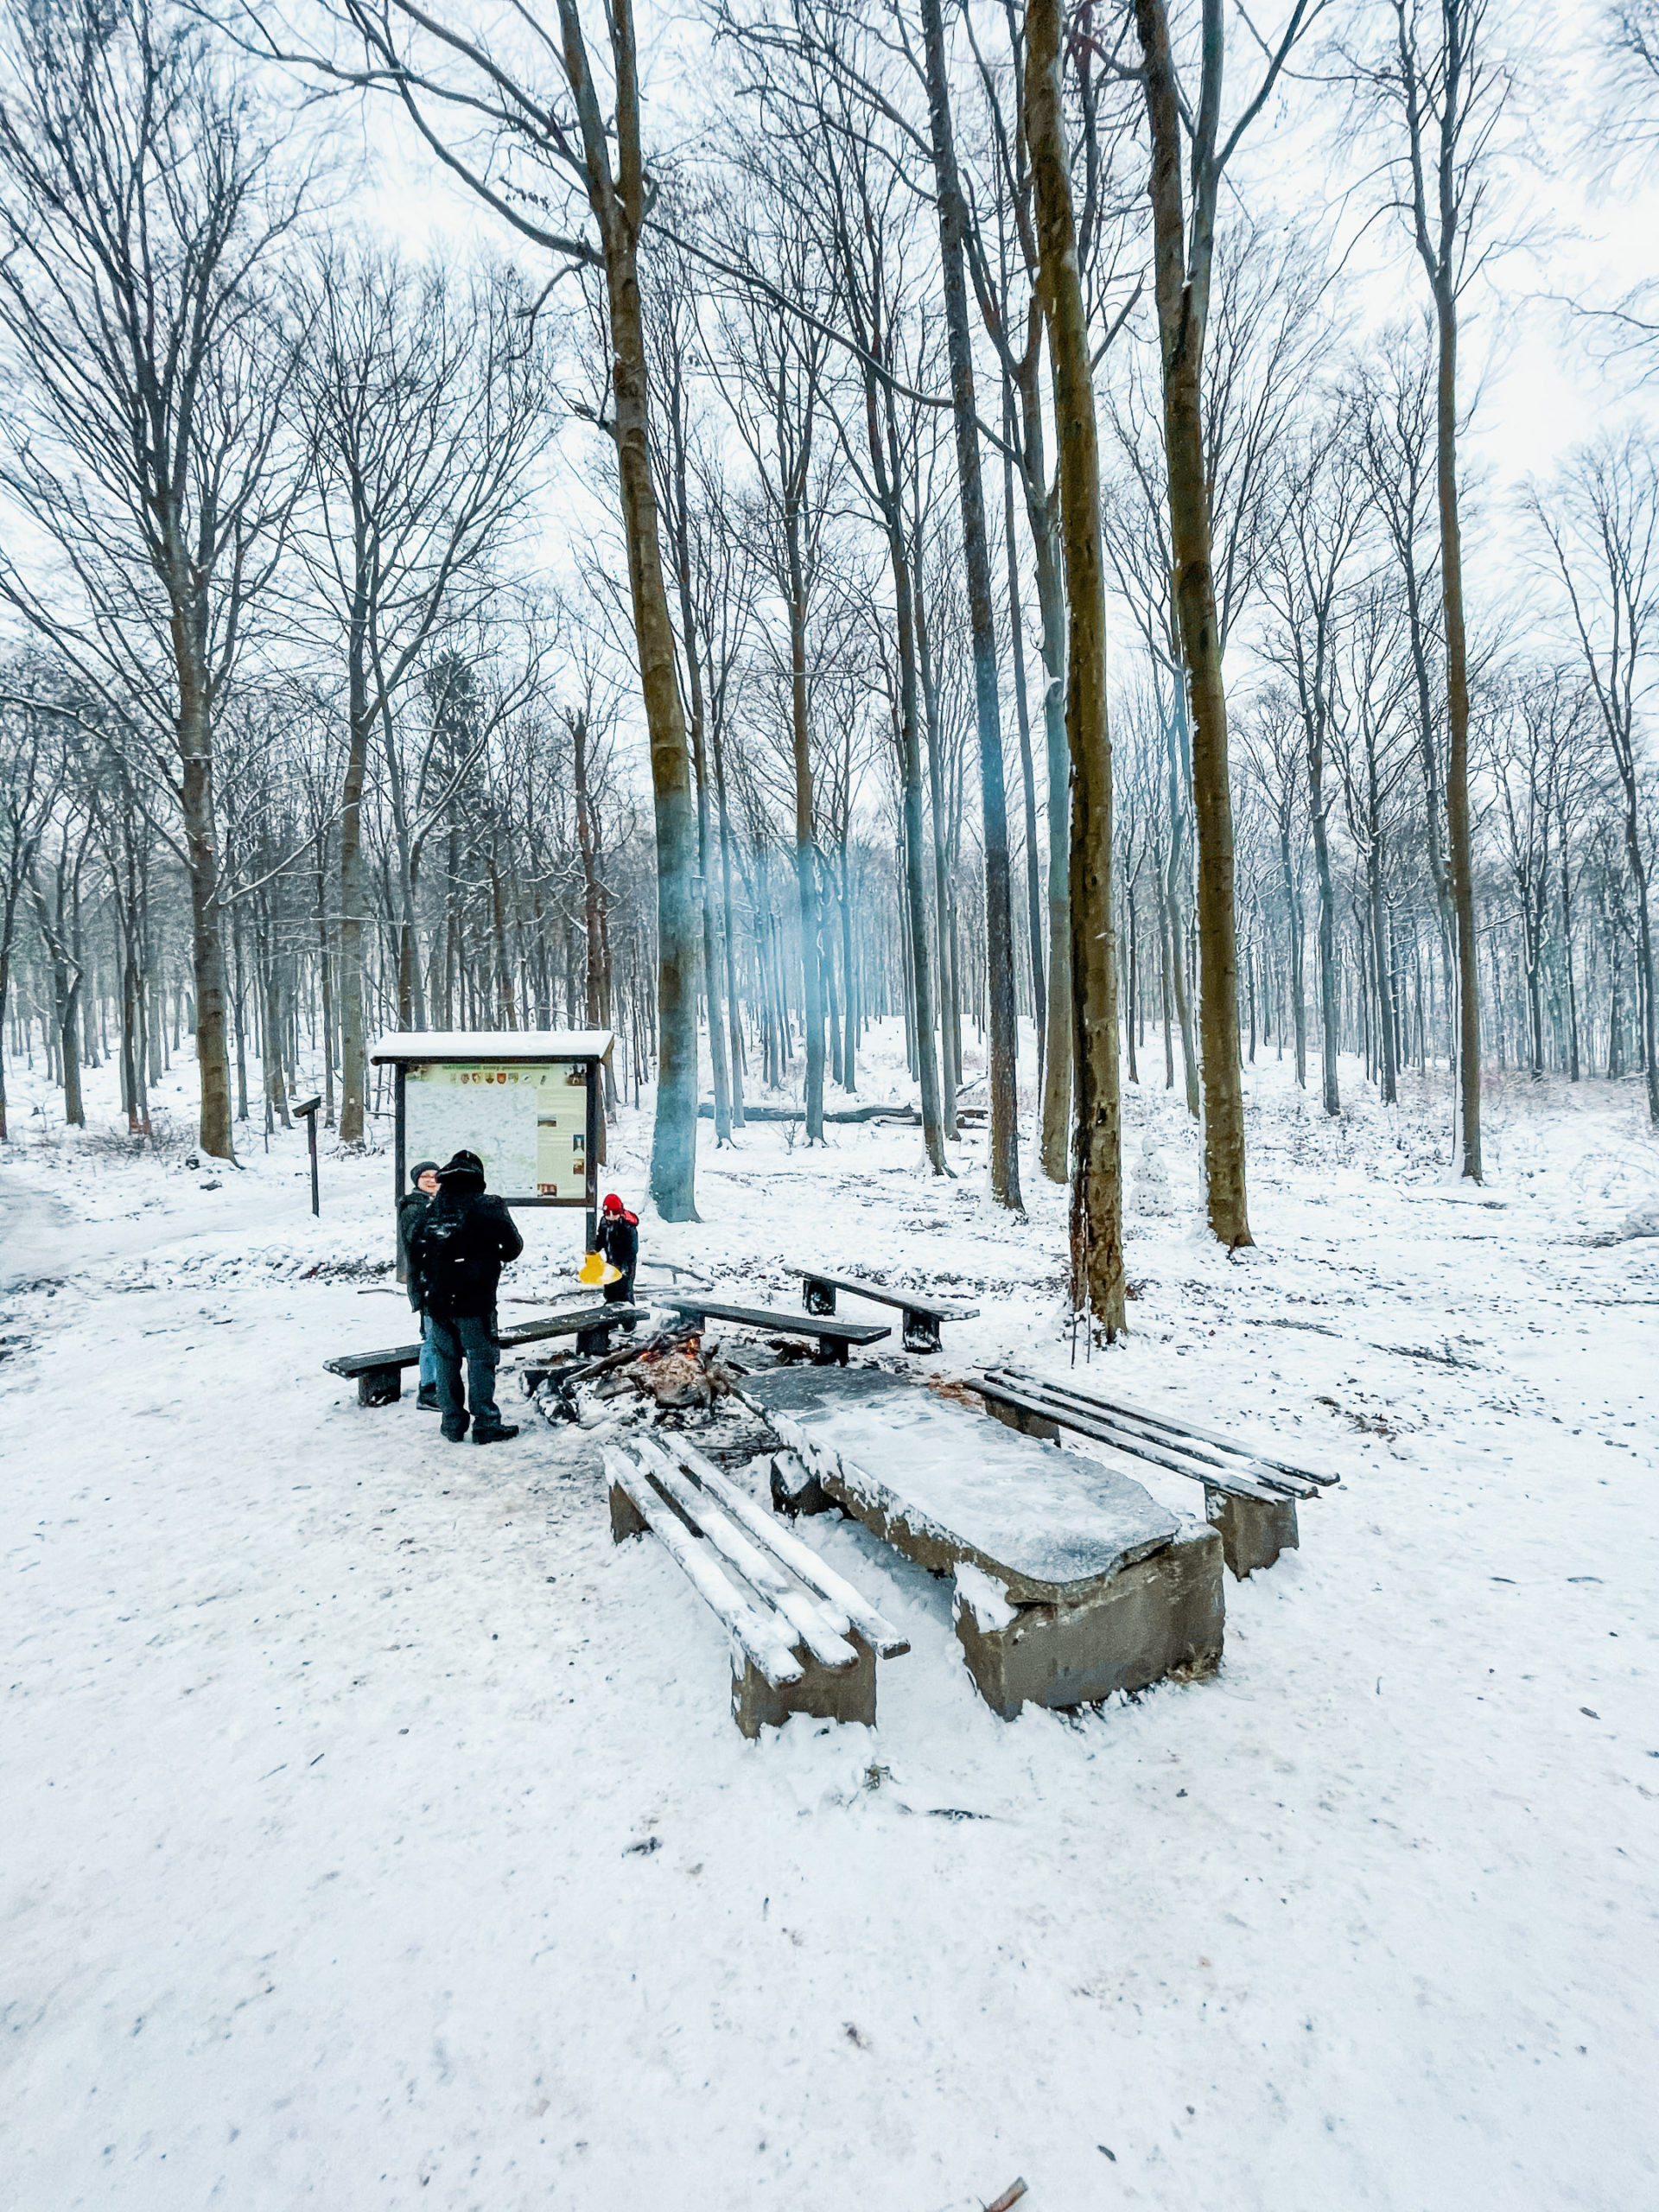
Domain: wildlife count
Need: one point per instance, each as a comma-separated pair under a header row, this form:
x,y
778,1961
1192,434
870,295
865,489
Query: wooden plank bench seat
x,y
1250,1497
833,1336
804,1640
379,1374
922,1316
1071,1581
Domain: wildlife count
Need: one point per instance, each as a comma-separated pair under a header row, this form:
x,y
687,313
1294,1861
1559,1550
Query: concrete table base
x,y
1164,1615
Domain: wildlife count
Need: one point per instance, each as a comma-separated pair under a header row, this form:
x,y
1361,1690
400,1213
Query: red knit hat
x,y
613,1203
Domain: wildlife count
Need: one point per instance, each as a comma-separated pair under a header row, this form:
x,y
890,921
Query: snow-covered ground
x,y
372,1834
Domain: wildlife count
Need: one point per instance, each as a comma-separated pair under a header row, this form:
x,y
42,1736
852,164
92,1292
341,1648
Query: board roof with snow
x,y
449,1046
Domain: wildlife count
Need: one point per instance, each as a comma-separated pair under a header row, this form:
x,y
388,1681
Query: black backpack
x,y
458,1246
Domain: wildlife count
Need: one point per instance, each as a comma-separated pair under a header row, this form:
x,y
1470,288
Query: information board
x,y
528,1125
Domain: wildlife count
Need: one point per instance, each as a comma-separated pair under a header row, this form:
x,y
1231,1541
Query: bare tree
x,y
138,207
520,115
952,209
1599,523
424,412
1446,96
1187,140
25,798
1097,1161
1371,742
1307,581
1533,740
771,371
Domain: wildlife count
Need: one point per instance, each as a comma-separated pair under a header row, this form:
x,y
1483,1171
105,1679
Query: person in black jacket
x,y
619,1239
422,1189
458,1248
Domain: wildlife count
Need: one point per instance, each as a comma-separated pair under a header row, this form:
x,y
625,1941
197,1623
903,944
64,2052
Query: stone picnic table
x,y
1071,1580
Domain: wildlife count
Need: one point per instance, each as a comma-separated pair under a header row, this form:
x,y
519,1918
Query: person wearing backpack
x,y
458,1248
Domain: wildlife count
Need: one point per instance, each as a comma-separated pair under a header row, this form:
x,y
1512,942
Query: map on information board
x,y
528,1125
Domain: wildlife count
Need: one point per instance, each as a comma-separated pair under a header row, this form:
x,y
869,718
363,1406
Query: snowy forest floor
x,y
376,1835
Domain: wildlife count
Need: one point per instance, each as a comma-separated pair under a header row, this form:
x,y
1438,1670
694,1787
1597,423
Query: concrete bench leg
x,y
795,1488
819,1297
1164,1615
380,1386
593,1343
626,1519
1029,1424
823,1693
921,1331
1253,1533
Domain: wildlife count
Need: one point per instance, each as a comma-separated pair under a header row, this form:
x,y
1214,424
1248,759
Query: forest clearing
x,y
877,776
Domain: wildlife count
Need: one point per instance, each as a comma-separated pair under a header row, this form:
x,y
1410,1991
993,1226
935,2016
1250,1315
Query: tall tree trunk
x,y
325,976
729,938
1644,991
1175,733
1571,982
1057,1057
1327,938
848,1053
1384,980
1097,1186
618,204
68,1045
411,982
680,522
950,1041
1027,772
1460,858
1135,980
239,1015
806,872
1181,348
1297,961
353,1041
1003,1056
271,1018
207,940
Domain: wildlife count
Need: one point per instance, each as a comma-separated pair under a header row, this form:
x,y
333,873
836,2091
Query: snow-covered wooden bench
x,y
1071,1581
803,1639
833,1336
379,1374
922,1316
1248,1496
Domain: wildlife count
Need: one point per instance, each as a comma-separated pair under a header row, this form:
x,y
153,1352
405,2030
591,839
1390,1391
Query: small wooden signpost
x,y
308,1107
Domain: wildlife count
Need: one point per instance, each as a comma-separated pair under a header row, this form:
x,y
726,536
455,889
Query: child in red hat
x,y
619,1239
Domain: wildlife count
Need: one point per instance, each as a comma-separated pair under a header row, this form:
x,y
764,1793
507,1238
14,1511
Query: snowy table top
x,y
944,1484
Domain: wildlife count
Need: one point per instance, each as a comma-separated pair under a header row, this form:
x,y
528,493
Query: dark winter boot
x,y
493,1435
426,1398
454,1435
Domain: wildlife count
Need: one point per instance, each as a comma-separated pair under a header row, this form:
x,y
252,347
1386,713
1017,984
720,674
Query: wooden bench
x,y
833,1336
1249,1497
379,1374
803,1639
1071,1581
922,1316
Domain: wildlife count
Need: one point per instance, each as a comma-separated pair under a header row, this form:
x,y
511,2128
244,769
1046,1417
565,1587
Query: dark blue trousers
x,y
470,1336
